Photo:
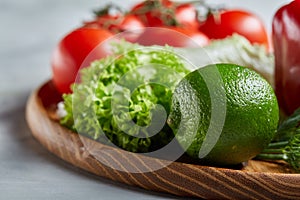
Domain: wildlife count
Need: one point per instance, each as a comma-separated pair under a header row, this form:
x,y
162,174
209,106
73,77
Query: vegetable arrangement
x,y
171,17
109,94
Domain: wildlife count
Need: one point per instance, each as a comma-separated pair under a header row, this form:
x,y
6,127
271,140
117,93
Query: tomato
x,y
227,22
116,23
172,36
186,16
156,13
151,12
77,49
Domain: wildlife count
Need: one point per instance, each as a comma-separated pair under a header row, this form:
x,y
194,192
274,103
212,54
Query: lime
x,y
246,103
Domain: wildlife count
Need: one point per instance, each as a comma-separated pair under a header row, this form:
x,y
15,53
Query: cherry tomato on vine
x,y
227,22
151,13
156,13
116,23
172,36
186,16
77,49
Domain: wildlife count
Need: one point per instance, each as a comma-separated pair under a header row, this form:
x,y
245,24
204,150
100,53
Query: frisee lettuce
x,y
118,98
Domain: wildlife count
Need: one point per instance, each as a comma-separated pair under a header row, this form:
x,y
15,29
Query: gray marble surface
x,y
29,31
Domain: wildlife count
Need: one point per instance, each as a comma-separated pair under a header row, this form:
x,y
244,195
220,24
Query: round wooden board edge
x,y
179,179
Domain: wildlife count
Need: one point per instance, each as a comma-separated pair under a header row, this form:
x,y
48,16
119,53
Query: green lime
x,y
224,114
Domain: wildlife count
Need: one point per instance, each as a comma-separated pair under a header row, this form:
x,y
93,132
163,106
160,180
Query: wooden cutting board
x,y
253,180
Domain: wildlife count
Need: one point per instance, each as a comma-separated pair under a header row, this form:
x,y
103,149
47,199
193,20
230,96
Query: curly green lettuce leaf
x,y
234,49
124,98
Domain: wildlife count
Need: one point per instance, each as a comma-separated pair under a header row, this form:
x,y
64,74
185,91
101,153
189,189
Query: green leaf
x,y
288,127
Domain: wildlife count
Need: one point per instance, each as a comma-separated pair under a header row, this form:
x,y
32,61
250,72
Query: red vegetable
x,y
227,22
286,39
172,36
155,13
186,16
116,23
77,49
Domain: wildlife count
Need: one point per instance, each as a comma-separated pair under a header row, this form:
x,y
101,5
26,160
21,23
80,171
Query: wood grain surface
x,y
254,180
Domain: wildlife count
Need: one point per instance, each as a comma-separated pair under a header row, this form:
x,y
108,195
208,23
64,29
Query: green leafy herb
x,y
286,145
289,127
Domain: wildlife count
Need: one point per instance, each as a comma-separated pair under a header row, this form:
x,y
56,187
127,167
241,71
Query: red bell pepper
x,y
286,41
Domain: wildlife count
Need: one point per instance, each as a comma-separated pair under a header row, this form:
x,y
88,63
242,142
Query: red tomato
x,y
116,23
150,12
172,36
186,16
156,13
227,22
78,48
